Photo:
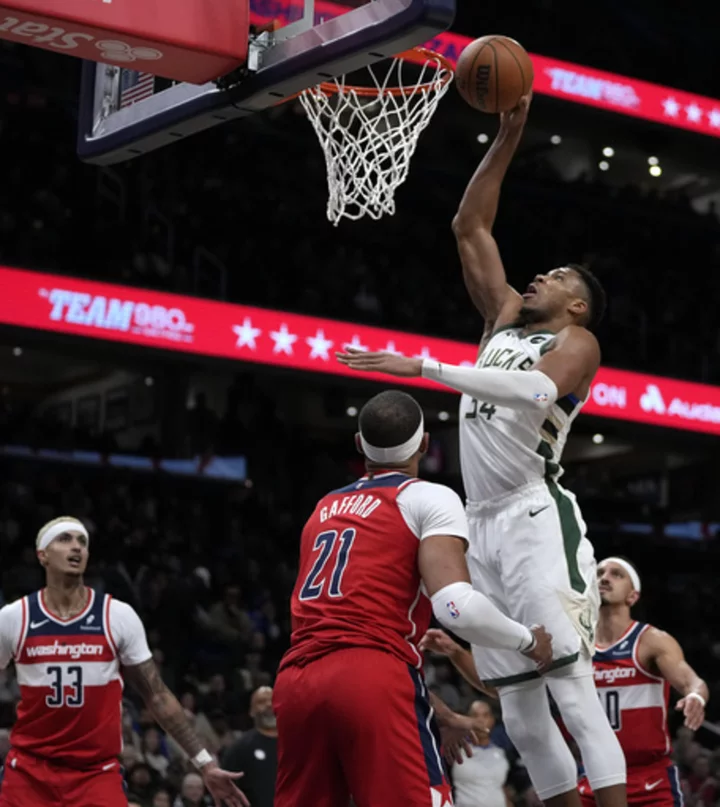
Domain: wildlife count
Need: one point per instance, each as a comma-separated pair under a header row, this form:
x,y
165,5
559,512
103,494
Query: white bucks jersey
x,y
502,449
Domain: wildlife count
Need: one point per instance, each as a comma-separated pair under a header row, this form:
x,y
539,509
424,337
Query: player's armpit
x,y
572,361
145,678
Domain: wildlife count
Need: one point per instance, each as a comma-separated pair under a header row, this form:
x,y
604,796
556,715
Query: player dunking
x,y
528,551
376,558
635,666
70,646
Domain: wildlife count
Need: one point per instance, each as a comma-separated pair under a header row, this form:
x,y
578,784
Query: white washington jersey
x,y
502,449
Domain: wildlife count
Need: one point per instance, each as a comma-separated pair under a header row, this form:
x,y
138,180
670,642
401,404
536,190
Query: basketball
x,y
493,73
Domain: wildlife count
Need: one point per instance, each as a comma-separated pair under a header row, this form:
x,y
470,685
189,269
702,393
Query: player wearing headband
x,y
377,558
635,666
72,649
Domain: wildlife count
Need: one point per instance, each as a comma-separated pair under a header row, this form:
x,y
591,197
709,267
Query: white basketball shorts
x,y
528,553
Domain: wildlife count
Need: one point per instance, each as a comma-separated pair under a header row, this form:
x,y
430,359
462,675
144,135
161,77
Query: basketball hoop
x,y
369,134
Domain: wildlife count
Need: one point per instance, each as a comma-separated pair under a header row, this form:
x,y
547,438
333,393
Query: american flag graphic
x,y
135,86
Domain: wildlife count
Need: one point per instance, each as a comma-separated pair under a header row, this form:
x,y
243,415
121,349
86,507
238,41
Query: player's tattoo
x,y
145,678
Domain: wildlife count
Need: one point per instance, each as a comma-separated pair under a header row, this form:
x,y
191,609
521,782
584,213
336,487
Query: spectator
x,y
153,751
192,792
255,753
227,618
482,778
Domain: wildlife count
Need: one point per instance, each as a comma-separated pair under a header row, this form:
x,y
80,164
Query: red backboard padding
x,y
193,40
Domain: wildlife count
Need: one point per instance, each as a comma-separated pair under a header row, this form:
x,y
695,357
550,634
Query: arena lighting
x,y
653,161
351,411
482,138
130,316
443,416
603,165
598,439
655,170
556,140
17,351
608,151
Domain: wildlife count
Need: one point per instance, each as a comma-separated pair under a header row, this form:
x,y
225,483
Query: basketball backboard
x,y
293,44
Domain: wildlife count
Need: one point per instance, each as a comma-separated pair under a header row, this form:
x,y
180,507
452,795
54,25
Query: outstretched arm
x,y
567,367
167,711
661,651
482,266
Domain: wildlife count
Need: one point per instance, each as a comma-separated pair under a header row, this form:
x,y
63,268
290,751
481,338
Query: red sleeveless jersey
x,y
358,582
635,700
71,689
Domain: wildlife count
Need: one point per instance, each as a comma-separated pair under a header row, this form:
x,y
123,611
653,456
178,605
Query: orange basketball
x,y
493,73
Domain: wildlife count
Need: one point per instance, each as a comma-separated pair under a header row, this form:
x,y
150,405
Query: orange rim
x,y
330,88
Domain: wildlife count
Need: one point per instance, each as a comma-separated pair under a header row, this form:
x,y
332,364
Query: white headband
x,y
632,574
49,533
394,454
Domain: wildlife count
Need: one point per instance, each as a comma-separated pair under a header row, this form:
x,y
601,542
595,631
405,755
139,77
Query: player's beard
x,y
267,720
530,316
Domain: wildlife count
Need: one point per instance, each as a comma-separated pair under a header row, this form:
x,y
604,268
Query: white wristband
x,y
697,696
201,759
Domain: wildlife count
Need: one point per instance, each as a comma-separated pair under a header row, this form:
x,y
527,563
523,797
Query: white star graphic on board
x,y
284,340
424,354
320,345
671,107
246,334
714,116
356,343
390,348
694,113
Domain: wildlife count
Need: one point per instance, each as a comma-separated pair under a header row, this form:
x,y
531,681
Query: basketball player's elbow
x,y
469,227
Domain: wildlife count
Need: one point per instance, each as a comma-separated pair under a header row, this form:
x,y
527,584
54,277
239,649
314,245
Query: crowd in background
x,y
210,567
238,214
244,220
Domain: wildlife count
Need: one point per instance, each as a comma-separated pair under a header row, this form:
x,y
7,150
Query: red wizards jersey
x,y
635,700
358,582
70,708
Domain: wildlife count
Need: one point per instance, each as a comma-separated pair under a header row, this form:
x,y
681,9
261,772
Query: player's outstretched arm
x,y
665,654
568,367
167,711
468,613
482,266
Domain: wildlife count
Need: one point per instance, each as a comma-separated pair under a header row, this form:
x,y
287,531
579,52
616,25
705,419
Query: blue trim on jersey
x,y
428,731
91,623
389,481
674,777
574,400
622,649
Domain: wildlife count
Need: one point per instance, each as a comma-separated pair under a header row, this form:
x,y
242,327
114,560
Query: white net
x,y
369,134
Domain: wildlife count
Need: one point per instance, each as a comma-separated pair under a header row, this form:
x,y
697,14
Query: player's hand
x,y
458,733
437,641
542,653
221,786
402,366
693,710
514,119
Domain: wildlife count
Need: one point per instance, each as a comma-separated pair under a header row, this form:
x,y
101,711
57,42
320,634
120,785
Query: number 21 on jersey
x,y
334,553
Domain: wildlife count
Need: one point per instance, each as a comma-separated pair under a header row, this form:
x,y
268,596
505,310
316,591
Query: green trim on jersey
x,y
529,676
545,450
571,533
542,332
